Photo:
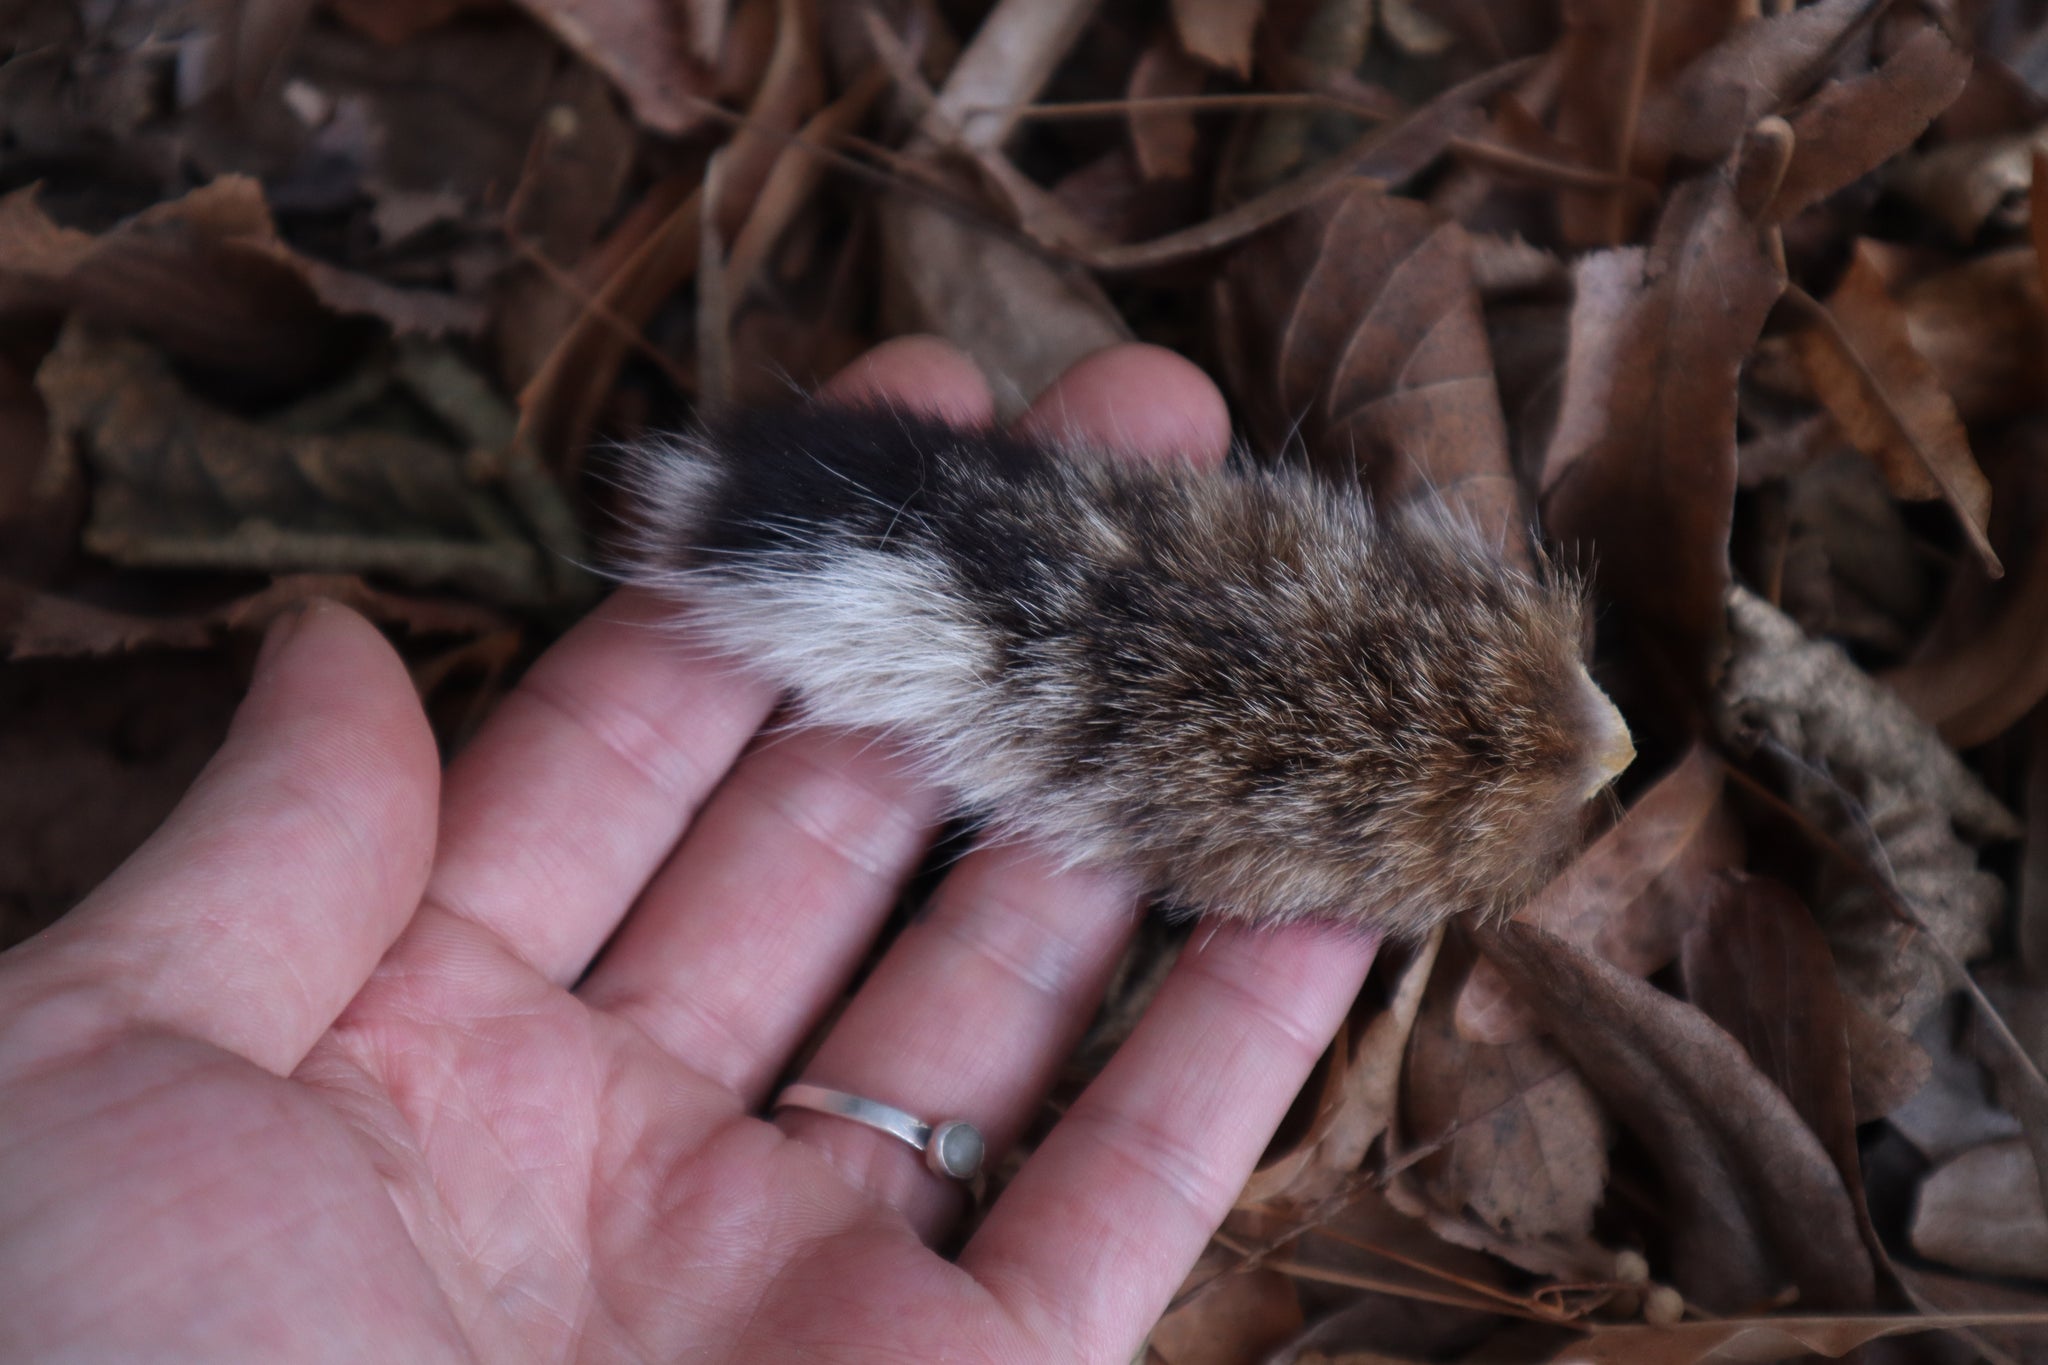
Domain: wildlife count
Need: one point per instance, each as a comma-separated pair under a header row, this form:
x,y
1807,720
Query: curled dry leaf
x,y
1508,1135
1982,1211
1755,1202
1849,128
1630,898
208,279
1765,64
1886,399
181,484
1908,799
1641,467
1759,966
1357,322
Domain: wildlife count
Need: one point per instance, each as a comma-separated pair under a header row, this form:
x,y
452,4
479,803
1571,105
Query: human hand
x,y
305,1081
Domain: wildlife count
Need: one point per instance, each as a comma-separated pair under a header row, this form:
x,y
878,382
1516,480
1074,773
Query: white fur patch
x,y
875,640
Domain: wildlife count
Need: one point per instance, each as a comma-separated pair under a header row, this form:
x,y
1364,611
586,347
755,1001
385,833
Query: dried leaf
x,y
657,53
1163,141
1235,1317
1811,697
1759,966
1849,128
44,625
1630,898
1755,1202
1886,399
1642,464
1982,327
1769,1339
1219,31
1517,1142
1983,678
1762,66
1848,736
1981,1211
181,484
1022,318
1360,314
208,279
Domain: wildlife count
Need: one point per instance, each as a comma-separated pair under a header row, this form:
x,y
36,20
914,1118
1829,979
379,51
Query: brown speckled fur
x,y
1271,701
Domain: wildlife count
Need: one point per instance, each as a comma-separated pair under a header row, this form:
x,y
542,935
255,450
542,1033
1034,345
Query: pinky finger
x,y
1090,1241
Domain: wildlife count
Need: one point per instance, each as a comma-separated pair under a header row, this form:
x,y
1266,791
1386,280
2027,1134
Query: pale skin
x,y
325,1071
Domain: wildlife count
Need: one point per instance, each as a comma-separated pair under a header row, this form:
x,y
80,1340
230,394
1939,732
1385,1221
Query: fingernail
x,y
282,627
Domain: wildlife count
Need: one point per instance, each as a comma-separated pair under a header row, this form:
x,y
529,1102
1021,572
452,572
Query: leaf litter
x,y
1736,309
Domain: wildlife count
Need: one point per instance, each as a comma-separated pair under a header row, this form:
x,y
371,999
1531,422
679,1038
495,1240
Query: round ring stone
x,y
955,1149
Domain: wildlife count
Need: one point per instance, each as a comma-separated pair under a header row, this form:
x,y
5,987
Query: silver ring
x,y
952,1148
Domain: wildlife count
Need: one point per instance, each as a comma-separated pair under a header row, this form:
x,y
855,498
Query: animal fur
x,y
1267,698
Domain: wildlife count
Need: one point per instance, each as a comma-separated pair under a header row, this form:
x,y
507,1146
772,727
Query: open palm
x,y
326,1071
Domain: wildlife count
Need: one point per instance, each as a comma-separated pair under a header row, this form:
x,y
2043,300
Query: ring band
x,y
952,1148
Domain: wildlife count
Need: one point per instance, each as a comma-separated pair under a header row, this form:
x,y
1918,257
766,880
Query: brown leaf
x,y
1163,141
1768,1339
1755,1202
1641,466
1759,966
1850,128
1763,65
209,280
1860,359
1219,31
1516,1140
1358,318
1630,898
1982,327
44,625
1235,1317
1614,54
1984,677
1981,1211
657,53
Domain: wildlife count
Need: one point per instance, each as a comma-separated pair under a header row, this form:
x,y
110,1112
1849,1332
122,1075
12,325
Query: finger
x,y
972,1010
969,1015
1090,1241
266,899
759,919
1137,400
576,789
755,924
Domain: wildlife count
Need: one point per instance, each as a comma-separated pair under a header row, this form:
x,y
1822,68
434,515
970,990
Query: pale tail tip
x,y
1613,750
